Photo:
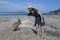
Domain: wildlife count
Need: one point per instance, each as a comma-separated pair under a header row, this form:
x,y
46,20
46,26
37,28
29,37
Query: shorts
x,y
38,21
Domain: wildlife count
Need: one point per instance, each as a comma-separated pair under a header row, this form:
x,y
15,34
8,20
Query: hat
x,y
30,7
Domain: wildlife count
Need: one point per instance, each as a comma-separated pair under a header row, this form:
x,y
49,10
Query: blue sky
x,y
21,5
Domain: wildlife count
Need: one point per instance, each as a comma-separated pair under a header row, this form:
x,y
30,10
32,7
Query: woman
x,y
39,22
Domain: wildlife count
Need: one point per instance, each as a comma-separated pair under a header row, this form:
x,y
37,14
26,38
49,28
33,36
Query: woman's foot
x,y
42,36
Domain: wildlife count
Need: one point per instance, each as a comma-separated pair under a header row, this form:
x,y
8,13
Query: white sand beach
x,y
52,29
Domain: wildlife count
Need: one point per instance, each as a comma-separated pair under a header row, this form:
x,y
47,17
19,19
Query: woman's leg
x,y
37,29
42,31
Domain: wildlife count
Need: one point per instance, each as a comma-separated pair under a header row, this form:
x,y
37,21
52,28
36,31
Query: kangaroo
x,y
16,24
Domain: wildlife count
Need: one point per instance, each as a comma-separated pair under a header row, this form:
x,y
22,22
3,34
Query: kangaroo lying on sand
x,y
16,24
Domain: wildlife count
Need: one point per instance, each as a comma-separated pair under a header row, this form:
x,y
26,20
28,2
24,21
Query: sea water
x,y
17,14
20,15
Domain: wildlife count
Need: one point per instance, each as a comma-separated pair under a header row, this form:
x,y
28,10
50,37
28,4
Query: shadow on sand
x,y
33,30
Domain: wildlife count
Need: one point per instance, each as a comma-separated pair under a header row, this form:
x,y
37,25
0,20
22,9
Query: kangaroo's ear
x,y
19,20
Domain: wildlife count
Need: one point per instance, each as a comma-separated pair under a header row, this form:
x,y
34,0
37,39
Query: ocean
x,y
19,14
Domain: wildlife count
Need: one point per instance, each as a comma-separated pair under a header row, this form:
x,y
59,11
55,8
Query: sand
x,y
52,29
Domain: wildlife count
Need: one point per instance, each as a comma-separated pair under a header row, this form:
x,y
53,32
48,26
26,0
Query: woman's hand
x,y
24,19
42,21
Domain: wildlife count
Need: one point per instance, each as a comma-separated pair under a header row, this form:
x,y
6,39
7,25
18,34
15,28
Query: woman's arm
x,y
40,14
26,17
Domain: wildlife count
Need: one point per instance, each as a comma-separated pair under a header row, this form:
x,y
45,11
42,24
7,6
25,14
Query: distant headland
x,y
54,12
13,12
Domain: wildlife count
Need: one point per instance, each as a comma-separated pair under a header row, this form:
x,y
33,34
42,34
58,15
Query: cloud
x,y
18,6
7,4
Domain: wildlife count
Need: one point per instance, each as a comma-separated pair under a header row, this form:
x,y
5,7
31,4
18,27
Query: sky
x,y
21,5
